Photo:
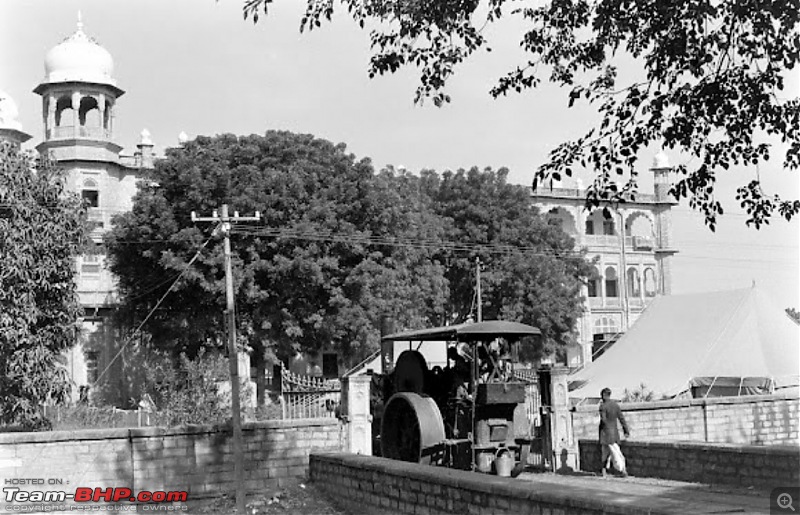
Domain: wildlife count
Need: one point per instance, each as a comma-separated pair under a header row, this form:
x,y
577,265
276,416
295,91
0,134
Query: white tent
x,y
732,342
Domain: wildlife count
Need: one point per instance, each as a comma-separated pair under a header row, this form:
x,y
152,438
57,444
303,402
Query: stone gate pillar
x,y
357,418
565,449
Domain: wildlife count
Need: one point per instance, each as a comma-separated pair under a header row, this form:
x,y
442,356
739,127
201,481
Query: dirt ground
x,y
298,498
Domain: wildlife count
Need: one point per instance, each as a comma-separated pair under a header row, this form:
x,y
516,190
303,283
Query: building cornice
x,y
577,195
44,87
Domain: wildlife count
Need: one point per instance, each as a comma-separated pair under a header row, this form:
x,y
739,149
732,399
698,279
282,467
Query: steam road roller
x,y
467,414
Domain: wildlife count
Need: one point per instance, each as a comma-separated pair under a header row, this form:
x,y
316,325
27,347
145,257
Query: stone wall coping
x,y
770,450
686,403
151,432
62,436
566,496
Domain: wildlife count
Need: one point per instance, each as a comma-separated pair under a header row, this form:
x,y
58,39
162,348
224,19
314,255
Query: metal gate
x,y
533,410
304,396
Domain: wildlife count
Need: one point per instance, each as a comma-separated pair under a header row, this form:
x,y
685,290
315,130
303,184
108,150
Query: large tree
x,y
42,229
338,247
308,275
530,271
707,80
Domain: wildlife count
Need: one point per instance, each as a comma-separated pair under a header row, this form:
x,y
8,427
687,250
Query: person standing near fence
x,y
610,412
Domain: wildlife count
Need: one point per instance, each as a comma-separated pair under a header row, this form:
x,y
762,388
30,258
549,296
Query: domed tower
x,y
663,217
10,128
79,95
661,170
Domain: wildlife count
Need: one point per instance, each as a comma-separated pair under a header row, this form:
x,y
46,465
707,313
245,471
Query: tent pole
x,y
710,387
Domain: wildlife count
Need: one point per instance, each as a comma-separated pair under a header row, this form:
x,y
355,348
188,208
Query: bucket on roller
x,y
504,462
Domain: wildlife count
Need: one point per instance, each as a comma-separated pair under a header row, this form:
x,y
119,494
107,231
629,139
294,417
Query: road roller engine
x,y
469,414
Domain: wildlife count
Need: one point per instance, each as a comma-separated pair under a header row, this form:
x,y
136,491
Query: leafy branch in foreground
x,y
709,85
42,229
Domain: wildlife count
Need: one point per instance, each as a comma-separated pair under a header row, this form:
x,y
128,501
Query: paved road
x,y
657,495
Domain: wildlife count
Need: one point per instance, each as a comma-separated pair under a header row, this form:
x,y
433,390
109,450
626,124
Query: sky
x,y
197,66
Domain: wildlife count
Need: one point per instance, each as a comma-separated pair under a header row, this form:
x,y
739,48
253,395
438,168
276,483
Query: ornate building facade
x,y
79,98
632,253
632,249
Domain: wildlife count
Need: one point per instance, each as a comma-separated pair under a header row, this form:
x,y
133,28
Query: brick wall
x,y
367,484
198,459
762,420
709,463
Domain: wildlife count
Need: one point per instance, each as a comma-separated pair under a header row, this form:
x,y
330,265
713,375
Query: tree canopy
x,y
709,83
338,247
304,276
530,269
42,229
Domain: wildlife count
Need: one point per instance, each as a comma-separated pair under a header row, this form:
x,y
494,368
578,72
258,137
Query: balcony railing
x,y
601,240
69,131
636,243
636,303
574,193
642,243
605,302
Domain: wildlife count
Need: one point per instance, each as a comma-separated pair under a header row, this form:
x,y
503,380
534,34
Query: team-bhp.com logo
x,y
84,494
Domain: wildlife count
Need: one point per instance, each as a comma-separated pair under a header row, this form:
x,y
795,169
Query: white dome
x,y
8,112
661,160
79,58
144,138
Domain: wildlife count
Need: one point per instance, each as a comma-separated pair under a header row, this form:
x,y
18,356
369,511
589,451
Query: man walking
x,y
610,412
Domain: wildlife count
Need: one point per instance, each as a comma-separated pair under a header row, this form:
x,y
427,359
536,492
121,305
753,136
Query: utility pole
x,y
478,279
233,355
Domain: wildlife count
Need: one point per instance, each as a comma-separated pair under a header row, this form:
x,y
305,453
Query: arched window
x,y
606,325
563,218
649,282
638,224
634,285
600,222
64,111
89,112
90,194
604,330
594,283
608,225
611,282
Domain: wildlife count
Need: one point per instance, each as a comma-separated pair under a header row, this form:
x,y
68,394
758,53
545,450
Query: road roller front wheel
x,y
412,428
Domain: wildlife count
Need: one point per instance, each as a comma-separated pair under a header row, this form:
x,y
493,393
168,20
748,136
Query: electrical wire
x,y
416,243
164,296
150,290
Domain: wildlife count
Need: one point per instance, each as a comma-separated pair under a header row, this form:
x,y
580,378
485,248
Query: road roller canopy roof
x,y
477,331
